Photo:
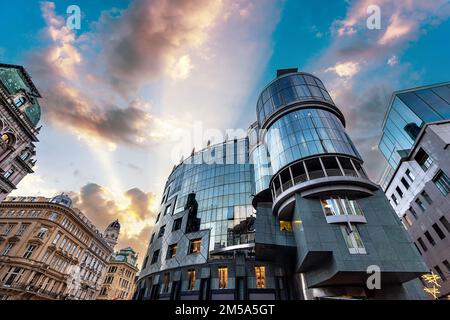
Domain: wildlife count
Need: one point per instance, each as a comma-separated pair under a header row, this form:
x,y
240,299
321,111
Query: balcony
x,y
31,290
318,176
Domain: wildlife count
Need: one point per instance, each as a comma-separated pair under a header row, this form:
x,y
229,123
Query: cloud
x,y
135,210
345,69
392,61
151,37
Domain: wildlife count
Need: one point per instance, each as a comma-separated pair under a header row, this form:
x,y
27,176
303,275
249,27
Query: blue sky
x,y
119,91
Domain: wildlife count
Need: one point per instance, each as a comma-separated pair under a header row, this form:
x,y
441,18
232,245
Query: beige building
x,y
120,280
50,250
19,115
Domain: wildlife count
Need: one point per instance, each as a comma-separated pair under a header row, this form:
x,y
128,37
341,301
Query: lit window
x,y
286,226
260,273
171,251
195,246
191,279
353,239
407,219
166,281
223,277
7,138
442,182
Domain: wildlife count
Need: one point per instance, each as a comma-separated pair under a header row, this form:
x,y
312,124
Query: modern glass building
x,y
286,213
409,110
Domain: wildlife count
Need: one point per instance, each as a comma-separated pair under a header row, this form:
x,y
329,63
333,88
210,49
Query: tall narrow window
x,y
7,249
177,224
430,238
405,183
191,279
427,198
42,232
410,175
442,182
420,204
161,231
394,198
171,251
399,191
166,282
29,251
286,226
8,173
407,220
445,223
440,273
438,231
260,273
422,244
155,257
353,239
223,277
22,229
413,212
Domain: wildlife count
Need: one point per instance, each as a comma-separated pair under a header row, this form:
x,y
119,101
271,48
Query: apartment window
x,y
413,212
445,223
152,237
177,224
340,206
446,264
442,182
399,191
53,216
155,257
422,244
194,246
7,229
223,277
430,238
191,279
410,175
260,274
405,183
440,273
394,198
14,274
167,209
7,249
166,281
420,204
22,229
63,242
46,256
172,251
29,251
161,231
103,292
423,159
144,265
286,226
407,220
438,231
427,198
353,239
42,232
55,240
8,173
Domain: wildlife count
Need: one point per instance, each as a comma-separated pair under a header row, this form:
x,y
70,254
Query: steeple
x,y
112,233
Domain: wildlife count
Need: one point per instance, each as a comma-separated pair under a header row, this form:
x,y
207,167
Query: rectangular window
x,y
7,229
195,245
430,238
445,223
155,257
171,251
340,206
191,279
42,232
446,264
405,183
438,231
260,274
286,226
167,209
166,281
427,198
394,199
223,277
442,182
152,237
58,235
407,220
22,229
29,251
353,239
413,212
177,224
420,204
440,273
422,244
399,191
423,159
7,249
410,175
53,216
161,231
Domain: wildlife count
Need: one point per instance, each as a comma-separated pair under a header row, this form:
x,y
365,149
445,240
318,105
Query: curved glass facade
x,y
262,168
221,177
306,132
287,89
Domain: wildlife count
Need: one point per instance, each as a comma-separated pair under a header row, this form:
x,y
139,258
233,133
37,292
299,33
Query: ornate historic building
x,y
120,279
285,213
49,250
19,115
